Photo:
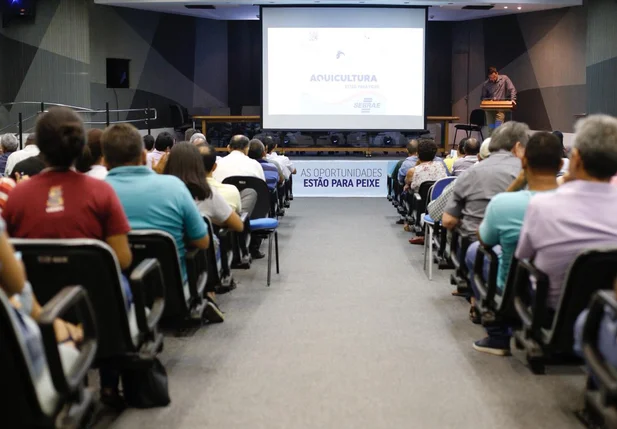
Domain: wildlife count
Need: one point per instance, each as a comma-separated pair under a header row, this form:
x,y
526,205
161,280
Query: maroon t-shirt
x,y
64,204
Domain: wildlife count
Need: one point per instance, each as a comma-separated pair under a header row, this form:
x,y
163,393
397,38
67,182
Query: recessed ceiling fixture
x,y
505,7
519,8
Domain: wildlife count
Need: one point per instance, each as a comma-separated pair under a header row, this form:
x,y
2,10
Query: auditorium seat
x,y
601,393
260,224
431,227
495,306
546,337
52,265
183,300
56,394
420,201
218,257
458,248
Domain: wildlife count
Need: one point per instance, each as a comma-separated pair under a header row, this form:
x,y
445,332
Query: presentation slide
x,y
343,68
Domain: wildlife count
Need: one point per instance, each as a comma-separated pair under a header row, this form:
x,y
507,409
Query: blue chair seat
x,y
428,219
264,223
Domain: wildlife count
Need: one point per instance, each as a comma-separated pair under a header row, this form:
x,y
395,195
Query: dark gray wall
x,y
542,52
61,58
602,56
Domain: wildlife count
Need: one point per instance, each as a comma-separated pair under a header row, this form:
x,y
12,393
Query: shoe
x,y
492,346
114,401
225,287
256,254
287,204
280,212
401,221
416,240
213,313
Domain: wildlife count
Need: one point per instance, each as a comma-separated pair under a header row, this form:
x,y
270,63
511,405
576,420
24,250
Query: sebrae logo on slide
x,y
366,105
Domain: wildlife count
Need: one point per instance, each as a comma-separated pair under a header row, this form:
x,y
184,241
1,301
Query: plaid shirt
x,y
438,206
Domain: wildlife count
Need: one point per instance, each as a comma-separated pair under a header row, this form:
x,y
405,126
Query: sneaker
x,y
213,313
492,346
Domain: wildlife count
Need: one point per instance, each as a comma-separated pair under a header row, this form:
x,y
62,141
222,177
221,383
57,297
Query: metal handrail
x,y
47,104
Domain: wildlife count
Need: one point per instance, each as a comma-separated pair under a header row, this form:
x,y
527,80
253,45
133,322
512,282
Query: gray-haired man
x,y
9,144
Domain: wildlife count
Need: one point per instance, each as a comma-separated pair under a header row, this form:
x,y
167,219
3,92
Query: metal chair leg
x,y
276,250
430,253
425,249
269,257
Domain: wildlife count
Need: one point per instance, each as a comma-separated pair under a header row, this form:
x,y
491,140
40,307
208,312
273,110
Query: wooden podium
x,y
499,105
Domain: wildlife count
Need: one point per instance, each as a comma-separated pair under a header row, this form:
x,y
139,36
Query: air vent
x,y
199,6
479,7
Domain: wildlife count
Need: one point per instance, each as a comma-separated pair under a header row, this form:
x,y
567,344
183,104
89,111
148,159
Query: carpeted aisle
x,y
351,335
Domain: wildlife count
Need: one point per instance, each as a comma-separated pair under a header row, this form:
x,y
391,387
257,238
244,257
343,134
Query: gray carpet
x,y
351,334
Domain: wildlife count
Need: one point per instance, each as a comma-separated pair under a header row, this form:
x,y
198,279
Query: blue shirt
x,y
409,162
502,225
3,158
158,201
271,173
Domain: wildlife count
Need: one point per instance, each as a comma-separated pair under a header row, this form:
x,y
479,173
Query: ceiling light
x,y
505,7
519,8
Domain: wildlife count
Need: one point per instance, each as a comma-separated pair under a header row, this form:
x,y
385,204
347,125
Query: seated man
x,y
474,189
560,224
470,157
410,161
271,155
150,200
257,151
163,144
503,221
228,192
237,163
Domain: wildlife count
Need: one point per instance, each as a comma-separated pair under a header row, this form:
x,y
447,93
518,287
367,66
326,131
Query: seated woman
x,y
427,169
185,162
62,203
90,161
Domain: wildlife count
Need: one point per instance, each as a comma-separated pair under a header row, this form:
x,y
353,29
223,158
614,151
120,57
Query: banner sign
x,y
341,178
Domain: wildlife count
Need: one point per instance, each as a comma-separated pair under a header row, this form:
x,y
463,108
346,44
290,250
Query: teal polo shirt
x,y
158,201
502,225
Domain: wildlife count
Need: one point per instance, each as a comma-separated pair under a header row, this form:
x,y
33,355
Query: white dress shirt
x,y
20,155
283,162
98,172
237,164
153,158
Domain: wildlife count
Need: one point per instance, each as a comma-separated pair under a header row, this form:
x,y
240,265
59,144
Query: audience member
x,y
566,160
91,160
257,151
9,144
229,192
484,149
459,153
427,168
186,164
503,220
283,161
469,158
189,133
62,203
198,139
148,142
6,186
237,163
410,161
473,190
29,167
163,144
30,149
560,224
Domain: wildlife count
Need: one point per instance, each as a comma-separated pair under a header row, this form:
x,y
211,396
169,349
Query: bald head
x,y
472,146
257,149
412,147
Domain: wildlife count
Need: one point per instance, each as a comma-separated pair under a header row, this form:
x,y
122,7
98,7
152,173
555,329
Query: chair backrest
x,y
592,270
160,245
220,111
477,117
439,186
53,264
262,207
19,399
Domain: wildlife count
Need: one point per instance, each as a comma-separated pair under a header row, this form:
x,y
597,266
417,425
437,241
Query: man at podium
x,y
497,87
